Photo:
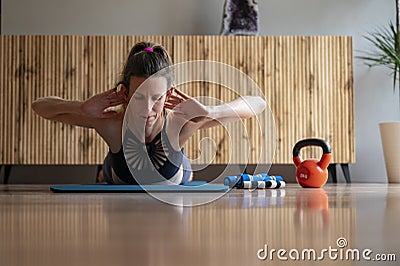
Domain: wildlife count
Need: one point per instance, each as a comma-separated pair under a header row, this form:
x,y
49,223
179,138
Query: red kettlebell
x,y
312,173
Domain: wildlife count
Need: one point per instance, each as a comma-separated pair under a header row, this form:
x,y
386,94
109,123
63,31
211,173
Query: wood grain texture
x,y
307,81
40,228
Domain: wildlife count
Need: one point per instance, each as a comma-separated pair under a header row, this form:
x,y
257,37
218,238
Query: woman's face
x,y
147,97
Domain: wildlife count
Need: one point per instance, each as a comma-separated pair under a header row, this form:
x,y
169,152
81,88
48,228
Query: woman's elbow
x,y
37,107
259,105
263,104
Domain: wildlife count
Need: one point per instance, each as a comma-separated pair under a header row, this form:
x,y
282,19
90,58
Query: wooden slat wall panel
x,y
236,52
307,81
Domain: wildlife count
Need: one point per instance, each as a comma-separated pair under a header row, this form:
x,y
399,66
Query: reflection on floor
x,y
262,227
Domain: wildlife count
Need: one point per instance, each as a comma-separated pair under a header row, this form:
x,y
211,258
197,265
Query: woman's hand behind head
x,y
97,105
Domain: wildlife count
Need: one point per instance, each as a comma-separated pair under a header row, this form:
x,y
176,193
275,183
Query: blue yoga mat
x,y
194,186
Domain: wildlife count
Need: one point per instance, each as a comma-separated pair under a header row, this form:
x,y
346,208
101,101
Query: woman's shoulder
x,y
110,130
108,122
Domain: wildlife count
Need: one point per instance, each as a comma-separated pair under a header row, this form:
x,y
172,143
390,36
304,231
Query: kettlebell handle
x,y
326,156
311,142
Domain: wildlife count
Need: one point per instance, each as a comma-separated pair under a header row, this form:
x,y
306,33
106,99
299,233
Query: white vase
x,y
390,136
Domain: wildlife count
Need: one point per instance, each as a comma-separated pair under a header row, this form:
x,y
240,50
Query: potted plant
x,y
386,41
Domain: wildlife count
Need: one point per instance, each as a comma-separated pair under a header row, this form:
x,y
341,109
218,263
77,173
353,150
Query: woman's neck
x,y
151,132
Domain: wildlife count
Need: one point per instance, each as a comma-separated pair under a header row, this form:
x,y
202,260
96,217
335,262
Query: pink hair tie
x,y
150,49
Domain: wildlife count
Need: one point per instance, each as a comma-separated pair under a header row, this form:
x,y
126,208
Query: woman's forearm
x,y
50,107
241,108
211,116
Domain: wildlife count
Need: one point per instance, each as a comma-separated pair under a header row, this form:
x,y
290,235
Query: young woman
x,y
158,122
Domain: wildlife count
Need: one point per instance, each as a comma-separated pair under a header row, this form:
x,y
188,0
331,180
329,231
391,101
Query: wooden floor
x,y
241,228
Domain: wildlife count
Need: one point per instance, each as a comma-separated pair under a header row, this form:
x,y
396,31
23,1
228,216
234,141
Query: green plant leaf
x,y
386,51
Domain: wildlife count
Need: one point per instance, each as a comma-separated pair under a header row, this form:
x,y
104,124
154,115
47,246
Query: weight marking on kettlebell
x,y
304,176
